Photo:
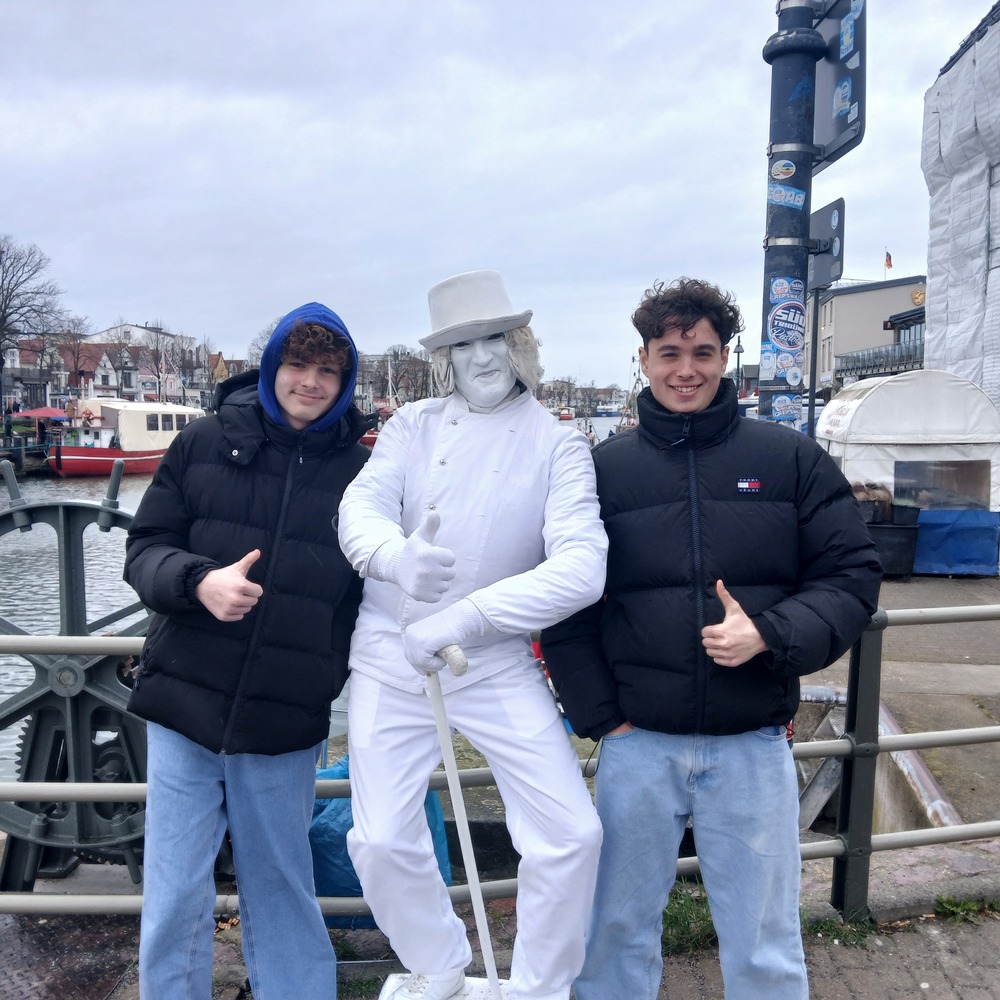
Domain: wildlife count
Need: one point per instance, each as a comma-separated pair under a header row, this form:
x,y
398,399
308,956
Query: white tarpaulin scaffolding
x,y
931,437
960,159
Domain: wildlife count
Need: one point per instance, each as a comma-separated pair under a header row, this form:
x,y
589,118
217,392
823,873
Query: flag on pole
x,y
888,259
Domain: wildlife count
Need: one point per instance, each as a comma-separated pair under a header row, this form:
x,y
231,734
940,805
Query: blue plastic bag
x,y
332,868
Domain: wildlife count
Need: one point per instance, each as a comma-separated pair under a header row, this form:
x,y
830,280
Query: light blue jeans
x,y
192,795
742,795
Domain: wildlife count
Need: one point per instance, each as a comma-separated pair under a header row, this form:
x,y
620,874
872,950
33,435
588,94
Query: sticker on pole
x,y
786,325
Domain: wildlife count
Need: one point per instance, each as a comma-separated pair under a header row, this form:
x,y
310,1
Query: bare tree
x,y
204,352
120,352
29,302
559,392
257,345
73,348
181,357
407,374
156,346
587,397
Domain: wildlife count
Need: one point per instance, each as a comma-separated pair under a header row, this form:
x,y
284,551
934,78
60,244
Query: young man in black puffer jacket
x,y
233,548
737,562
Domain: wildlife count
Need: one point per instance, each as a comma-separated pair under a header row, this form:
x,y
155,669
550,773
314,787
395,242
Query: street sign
x,y
826,262
839,110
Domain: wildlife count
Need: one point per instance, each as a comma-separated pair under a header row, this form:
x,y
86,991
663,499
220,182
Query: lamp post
x,y
738,350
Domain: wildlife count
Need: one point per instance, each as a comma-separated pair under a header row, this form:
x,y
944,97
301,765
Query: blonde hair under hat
x,y
469,306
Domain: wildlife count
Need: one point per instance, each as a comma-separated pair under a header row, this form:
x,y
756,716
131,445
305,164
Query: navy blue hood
x,y
270,360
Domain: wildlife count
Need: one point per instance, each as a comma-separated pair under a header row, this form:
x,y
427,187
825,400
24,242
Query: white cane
x,y
457,662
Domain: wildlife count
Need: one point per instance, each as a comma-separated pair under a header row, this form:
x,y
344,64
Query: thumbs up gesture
x,y
227,593
735,639
422,569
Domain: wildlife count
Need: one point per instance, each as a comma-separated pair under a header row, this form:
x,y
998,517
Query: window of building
x,y
127,380
944,485
104,379
911,334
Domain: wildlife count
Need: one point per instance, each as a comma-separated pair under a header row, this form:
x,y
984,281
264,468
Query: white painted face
x,y
483,373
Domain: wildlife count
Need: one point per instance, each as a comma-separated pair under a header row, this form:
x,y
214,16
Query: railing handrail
x,y
850,848
479,777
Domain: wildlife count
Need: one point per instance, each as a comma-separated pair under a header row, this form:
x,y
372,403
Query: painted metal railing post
x,y
849,889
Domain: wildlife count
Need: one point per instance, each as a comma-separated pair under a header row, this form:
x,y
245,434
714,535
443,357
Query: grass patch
x,y
358,987
965,911
343,948
687,921
838,932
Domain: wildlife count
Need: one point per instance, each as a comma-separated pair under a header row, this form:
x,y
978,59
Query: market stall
x,y
932,439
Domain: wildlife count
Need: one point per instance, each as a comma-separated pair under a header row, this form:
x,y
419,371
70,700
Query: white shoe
x,y
442,987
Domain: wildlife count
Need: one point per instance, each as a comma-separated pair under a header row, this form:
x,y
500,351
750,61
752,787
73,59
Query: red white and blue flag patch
x,y
748,484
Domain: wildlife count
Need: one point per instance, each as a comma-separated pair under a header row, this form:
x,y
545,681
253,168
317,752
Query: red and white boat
x,y
108,429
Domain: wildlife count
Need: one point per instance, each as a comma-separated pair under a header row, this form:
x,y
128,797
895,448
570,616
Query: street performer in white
x,y
474,522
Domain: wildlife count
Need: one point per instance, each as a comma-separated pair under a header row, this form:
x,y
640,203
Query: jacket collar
x,y
697,430
246,427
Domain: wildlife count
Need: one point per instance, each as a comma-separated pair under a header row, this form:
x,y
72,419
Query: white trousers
x,y
512,719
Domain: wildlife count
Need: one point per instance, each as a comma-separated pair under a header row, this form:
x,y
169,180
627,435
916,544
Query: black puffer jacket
x,y
688,500
232,482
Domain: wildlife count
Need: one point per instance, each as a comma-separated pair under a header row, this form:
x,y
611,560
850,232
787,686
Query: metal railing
x,y
885,360
851,847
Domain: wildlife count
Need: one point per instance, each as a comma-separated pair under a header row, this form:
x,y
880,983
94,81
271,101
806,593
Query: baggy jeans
x,y
267,803
742,795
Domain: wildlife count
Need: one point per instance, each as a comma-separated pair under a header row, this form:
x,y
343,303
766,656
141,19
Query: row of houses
x,y
128,361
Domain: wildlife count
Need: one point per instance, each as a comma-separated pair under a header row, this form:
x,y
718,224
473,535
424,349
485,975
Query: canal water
x,y
29,578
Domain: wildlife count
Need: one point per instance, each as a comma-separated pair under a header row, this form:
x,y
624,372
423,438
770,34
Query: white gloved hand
x,y
459,624
420,568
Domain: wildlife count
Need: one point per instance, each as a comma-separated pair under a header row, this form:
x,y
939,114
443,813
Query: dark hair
x,y
312,343
681,304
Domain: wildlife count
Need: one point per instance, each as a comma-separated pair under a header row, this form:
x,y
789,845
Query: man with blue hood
x,y
254,603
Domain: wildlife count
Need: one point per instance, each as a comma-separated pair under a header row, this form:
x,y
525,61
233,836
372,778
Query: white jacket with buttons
x,y
517,497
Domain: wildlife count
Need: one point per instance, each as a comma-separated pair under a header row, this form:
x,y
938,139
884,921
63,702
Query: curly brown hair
x,y
681,304
312,343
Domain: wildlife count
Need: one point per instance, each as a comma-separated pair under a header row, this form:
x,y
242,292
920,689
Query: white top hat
x,y
469,306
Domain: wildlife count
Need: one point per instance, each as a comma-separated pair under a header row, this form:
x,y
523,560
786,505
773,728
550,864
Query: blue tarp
x,y
957,543
332,868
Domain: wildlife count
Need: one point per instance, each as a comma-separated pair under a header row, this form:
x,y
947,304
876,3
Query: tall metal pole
x,y
792,54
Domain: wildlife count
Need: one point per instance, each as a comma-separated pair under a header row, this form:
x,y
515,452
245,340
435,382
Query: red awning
x,y
40,413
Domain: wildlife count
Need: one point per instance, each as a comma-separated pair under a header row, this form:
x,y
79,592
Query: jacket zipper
x,y
701,677
259,623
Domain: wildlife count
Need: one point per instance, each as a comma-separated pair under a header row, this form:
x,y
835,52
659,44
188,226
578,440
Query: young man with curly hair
x,y
737,562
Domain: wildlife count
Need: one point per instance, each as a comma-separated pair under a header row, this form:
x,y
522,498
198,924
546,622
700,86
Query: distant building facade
x,y
862,332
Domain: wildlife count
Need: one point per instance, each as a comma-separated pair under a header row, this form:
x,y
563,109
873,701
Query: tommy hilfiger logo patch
x,y
748,484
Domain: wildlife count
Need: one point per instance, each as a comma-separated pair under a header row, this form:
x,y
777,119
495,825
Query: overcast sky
x,y
212,165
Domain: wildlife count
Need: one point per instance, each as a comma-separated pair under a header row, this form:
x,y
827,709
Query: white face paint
x,y
483,373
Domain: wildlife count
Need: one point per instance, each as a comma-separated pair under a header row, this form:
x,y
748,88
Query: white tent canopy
x,y
930,436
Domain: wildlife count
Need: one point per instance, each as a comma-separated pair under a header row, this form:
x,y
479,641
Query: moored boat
x,y
108,429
